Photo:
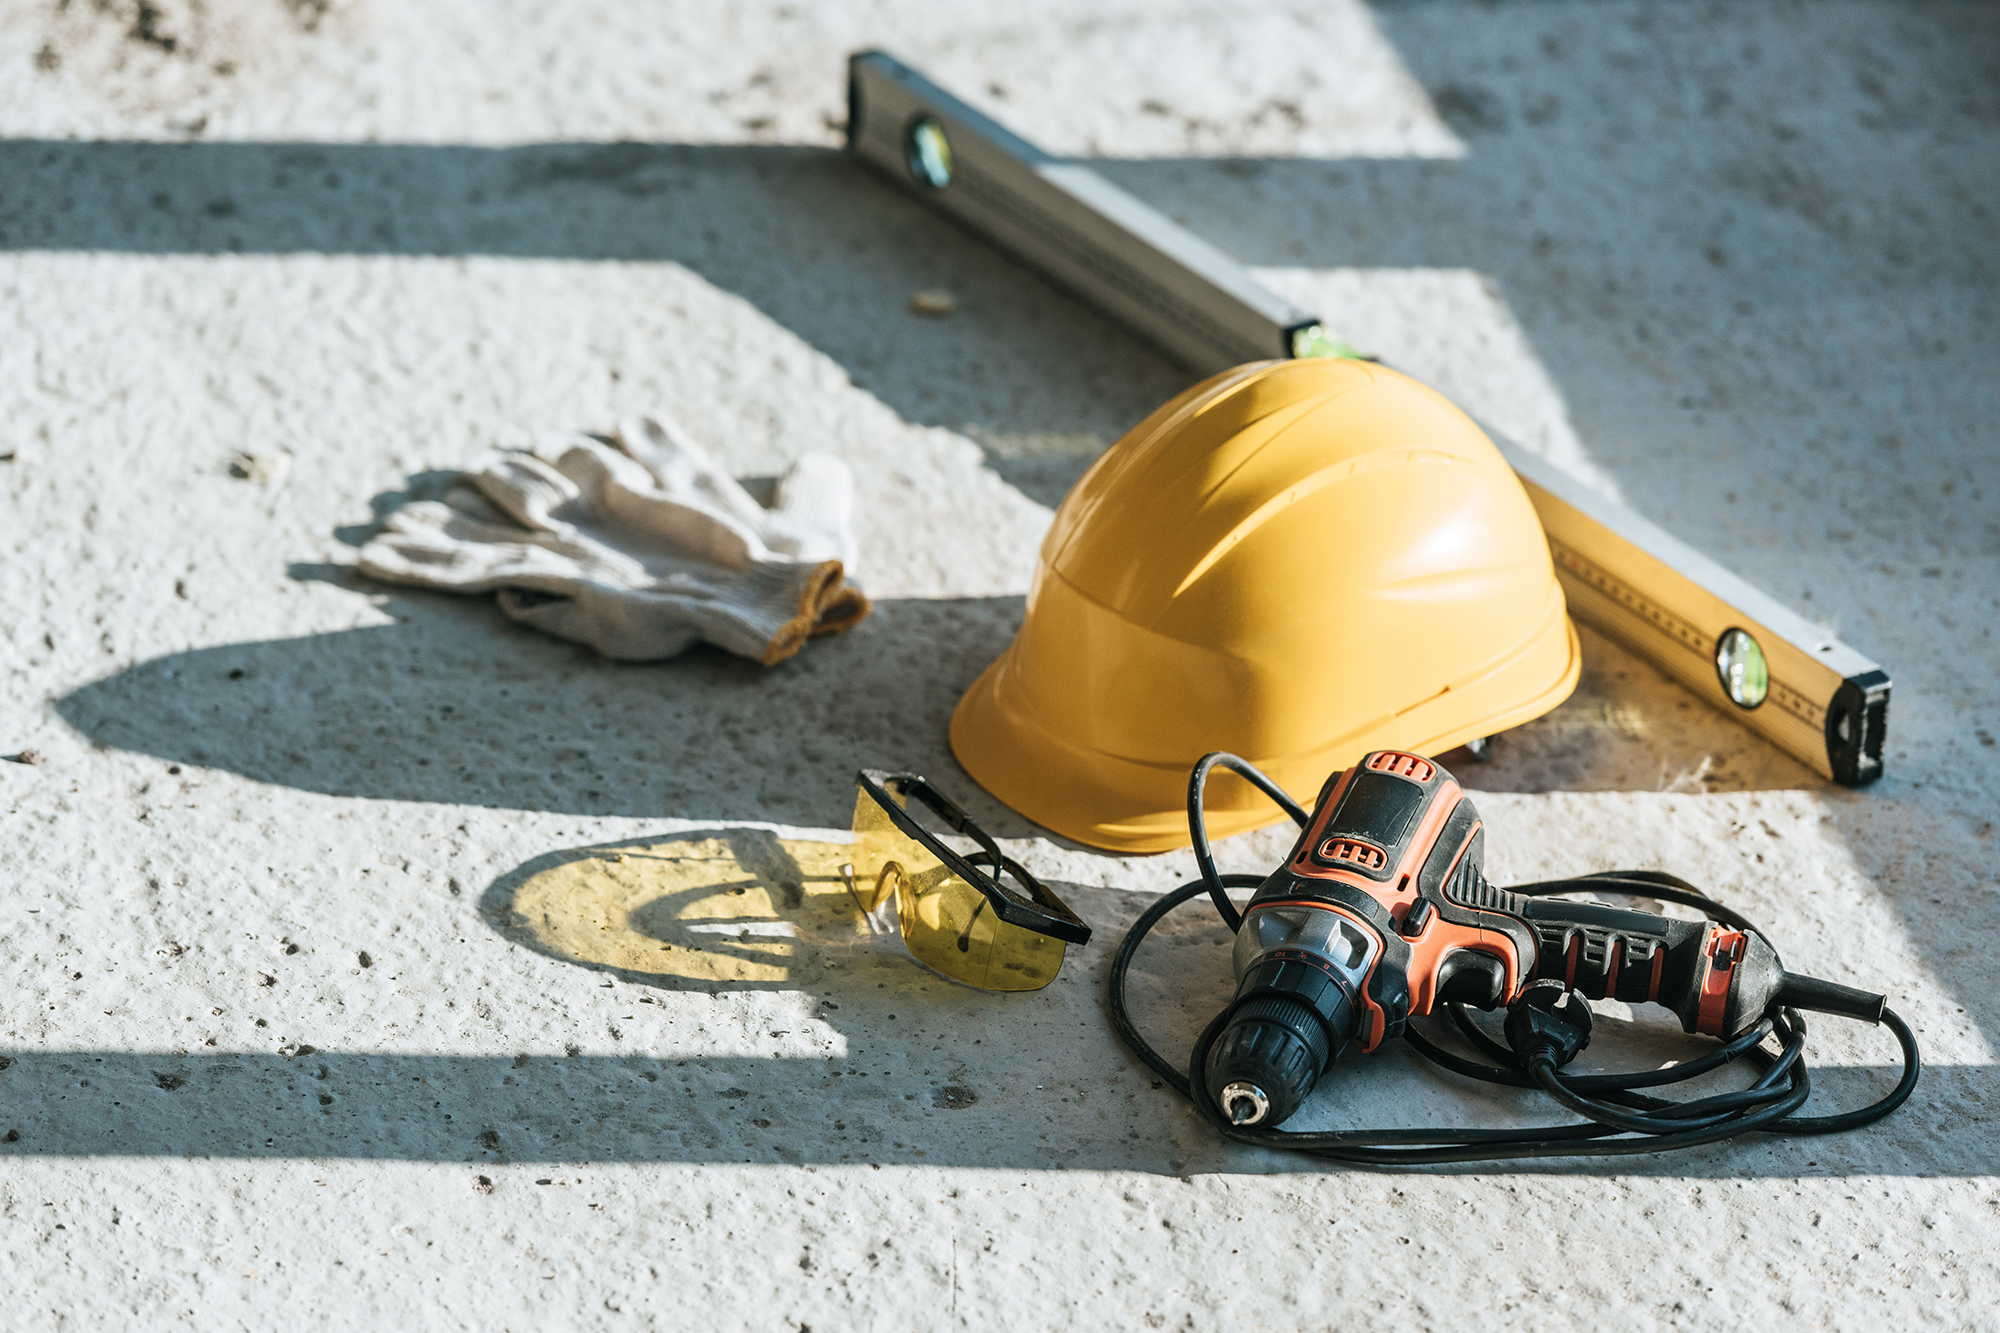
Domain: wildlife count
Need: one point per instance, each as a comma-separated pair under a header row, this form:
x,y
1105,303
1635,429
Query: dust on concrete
x,y
184,57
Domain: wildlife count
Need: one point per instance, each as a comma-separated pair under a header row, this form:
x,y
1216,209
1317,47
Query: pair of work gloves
x,y
638,547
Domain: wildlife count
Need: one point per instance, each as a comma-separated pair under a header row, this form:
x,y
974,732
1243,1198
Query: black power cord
x,y
1619,1119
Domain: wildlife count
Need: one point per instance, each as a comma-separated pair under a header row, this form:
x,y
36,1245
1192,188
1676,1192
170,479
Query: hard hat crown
x,y
1296,561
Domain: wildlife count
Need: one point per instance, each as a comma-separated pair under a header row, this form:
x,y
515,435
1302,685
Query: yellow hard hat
x,y
1295,561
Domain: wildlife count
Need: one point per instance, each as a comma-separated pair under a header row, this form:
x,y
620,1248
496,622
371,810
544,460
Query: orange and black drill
x,y
1381,913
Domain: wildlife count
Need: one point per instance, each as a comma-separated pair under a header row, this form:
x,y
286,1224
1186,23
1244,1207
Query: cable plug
x,y
1548,1020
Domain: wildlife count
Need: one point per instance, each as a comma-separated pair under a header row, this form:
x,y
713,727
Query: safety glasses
x,y
976,918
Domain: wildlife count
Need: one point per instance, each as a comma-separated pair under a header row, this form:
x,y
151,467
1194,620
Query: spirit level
x,y
1736,647
1136,265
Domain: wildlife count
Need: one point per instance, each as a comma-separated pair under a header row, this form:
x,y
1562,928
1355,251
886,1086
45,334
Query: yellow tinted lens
x,y
950,927
878,844
947,924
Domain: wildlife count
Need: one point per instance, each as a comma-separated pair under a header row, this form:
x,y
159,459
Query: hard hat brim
x,y
1123,805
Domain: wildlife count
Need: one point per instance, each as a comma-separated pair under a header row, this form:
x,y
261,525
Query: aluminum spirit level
x,y
1738,648
1136,265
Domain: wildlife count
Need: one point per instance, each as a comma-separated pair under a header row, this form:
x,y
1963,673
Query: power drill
x,y
1382,912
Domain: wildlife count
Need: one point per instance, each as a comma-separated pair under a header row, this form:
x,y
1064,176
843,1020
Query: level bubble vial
x,y
1739,663
929,153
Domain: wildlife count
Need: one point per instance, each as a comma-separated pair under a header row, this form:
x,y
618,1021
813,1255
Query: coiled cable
x,y
1618,1119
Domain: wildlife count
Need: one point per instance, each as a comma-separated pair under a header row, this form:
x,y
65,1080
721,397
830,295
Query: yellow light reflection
x,y
738,908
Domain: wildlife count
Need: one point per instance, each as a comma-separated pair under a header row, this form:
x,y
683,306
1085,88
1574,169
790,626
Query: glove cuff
x,y
826,604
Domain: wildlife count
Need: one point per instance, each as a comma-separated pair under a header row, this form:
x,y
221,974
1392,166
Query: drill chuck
x,y
1299,970
1271,1051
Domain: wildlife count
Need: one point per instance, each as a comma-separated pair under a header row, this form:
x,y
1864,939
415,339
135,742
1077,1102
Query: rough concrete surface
x,y
367,958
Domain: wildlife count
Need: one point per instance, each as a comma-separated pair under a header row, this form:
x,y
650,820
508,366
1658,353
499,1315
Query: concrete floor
x,y
334,982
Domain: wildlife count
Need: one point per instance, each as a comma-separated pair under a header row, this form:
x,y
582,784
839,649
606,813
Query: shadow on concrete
x,y
805,235
455,704
875,1061
642,1108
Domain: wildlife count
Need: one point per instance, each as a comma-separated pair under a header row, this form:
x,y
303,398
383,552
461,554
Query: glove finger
x,y
627,514
471,520
435,546
468,501
815,505
528,490
469,567
683,470
595,468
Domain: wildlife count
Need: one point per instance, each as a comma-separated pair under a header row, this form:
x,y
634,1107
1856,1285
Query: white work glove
x,y
637,550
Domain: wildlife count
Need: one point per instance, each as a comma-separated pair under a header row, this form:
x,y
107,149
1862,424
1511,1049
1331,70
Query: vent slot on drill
x,y
1413,767
1352,852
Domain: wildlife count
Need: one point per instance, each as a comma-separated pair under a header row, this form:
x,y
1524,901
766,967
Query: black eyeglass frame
x,y
1041,912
